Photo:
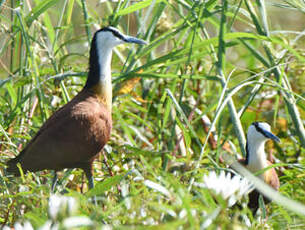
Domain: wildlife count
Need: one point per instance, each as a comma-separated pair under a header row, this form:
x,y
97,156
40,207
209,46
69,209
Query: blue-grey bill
x,y
271,136
134,40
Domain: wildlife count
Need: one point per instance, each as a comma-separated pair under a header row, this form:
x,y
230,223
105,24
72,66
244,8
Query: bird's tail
x,y
12,167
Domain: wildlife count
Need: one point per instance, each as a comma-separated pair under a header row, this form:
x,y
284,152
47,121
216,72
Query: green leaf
x,y
38,10
104,186
137,6
262,206
12,93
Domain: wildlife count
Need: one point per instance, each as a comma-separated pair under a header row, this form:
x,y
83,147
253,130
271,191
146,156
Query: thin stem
x,y
219,69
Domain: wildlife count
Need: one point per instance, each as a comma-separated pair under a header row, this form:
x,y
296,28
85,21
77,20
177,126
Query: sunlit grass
x,y
204,58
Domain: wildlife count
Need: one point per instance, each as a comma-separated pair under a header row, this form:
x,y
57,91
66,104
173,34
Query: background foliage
x,y
233,62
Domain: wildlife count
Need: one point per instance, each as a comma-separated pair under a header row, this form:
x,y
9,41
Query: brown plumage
x,y
258,134
71,138
75,134
270,178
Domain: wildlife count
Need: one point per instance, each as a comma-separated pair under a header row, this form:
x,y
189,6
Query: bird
x,y
77,132
256,160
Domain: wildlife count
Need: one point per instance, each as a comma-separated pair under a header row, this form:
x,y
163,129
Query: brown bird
x,y
76,133
258,134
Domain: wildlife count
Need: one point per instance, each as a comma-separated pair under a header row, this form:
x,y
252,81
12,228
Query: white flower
x,y
230,188
61,205
49,225
77,221
26,226
5,227
106,227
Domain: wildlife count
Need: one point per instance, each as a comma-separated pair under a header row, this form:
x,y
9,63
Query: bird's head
x,y
260,132
104,40
111,37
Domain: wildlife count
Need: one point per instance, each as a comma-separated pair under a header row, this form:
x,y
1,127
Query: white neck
x,y
257,156
104,85
104,60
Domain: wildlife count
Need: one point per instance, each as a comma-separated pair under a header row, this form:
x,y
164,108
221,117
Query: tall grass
x,y
216,59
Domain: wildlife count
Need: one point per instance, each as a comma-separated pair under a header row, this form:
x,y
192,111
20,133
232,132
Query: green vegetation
x,y
221,59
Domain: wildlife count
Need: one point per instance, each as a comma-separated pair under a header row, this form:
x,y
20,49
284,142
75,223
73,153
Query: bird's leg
x,y
90,182
88,172
54,181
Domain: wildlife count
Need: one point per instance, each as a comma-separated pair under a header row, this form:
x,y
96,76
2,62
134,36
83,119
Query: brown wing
x,y
71,137
271,178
